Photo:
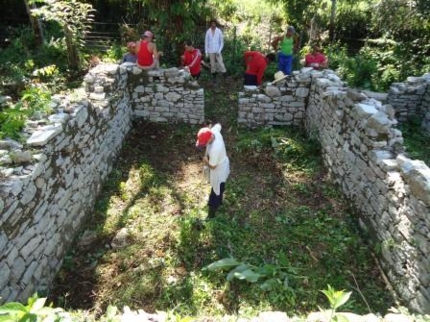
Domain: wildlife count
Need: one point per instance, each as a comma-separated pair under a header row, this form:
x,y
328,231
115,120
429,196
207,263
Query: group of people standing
x,y
214,44
146,56
285,45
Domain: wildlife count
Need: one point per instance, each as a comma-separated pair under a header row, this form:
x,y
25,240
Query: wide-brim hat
x,y
279,76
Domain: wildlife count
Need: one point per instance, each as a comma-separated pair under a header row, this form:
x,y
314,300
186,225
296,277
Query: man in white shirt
x,y
217,161
214,43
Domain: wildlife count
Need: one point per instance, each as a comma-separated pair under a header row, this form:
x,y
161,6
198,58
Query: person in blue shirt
x,y
131,56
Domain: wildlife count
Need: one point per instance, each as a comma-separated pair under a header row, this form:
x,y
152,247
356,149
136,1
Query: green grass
x,y
416,141
281,216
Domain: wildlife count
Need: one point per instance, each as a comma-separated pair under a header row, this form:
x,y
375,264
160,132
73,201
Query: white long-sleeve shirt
x,y
218,159
214,41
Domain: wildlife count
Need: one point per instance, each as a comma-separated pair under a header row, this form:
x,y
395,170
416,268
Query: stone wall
x,y
412,98
165,95
364,153
278,104
48,185
425,107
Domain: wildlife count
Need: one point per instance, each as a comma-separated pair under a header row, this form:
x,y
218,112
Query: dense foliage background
x,y
47,45
371,43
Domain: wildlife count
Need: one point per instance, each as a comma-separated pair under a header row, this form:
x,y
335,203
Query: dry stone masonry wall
x,y
425,108
165,95
275,105
49,184
363,150
412,98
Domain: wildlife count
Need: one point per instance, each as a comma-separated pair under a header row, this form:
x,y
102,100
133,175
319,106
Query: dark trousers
x,y
214,200
250,79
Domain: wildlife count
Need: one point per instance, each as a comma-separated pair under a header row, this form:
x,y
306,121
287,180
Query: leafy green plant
x,y
378,63
268,276
12,121
416,140
336,300
35,100
35,310
74,18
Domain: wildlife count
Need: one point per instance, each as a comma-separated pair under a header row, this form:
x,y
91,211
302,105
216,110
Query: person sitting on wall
x,y
130,57
316,58
147,54
191,59
256,64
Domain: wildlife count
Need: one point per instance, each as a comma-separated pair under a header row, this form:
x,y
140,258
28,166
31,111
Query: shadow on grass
x,y
275,213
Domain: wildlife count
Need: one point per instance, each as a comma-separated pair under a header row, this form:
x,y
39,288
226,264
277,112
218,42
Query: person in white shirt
x,y
216,159
214,43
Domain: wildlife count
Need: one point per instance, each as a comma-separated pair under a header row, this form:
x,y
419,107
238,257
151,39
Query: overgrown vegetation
x,y
416,140
377,65
37,311
287,227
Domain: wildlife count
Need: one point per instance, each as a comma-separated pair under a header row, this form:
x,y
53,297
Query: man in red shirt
x,y
256,64
147,54
191,59
316,58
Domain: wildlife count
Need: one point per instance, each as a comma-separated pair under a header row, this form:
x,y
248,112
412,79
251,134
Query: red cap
x,y
203,137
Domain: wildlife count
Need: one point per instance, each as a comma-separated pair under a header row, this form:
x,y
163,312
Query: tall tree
x,y
74,17
35,23
176,16
332,20
174,20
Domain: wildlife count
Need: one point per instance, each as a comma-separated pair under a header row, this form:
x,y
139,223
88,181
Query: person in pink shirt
x,y
316,58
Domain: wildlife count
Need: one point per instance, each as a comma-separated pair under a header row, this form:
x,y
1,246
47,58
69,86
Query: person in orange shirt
x,y
191,59
256,64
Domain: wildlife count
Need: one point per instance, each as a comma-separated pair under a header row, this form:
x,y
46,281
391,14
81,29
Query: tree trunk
x,y
72,52
313,31
332,20
35,24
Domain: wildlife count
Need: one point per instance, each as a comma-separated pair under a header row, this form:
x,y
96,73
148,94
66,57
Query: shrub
x,y
378,64
35,100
